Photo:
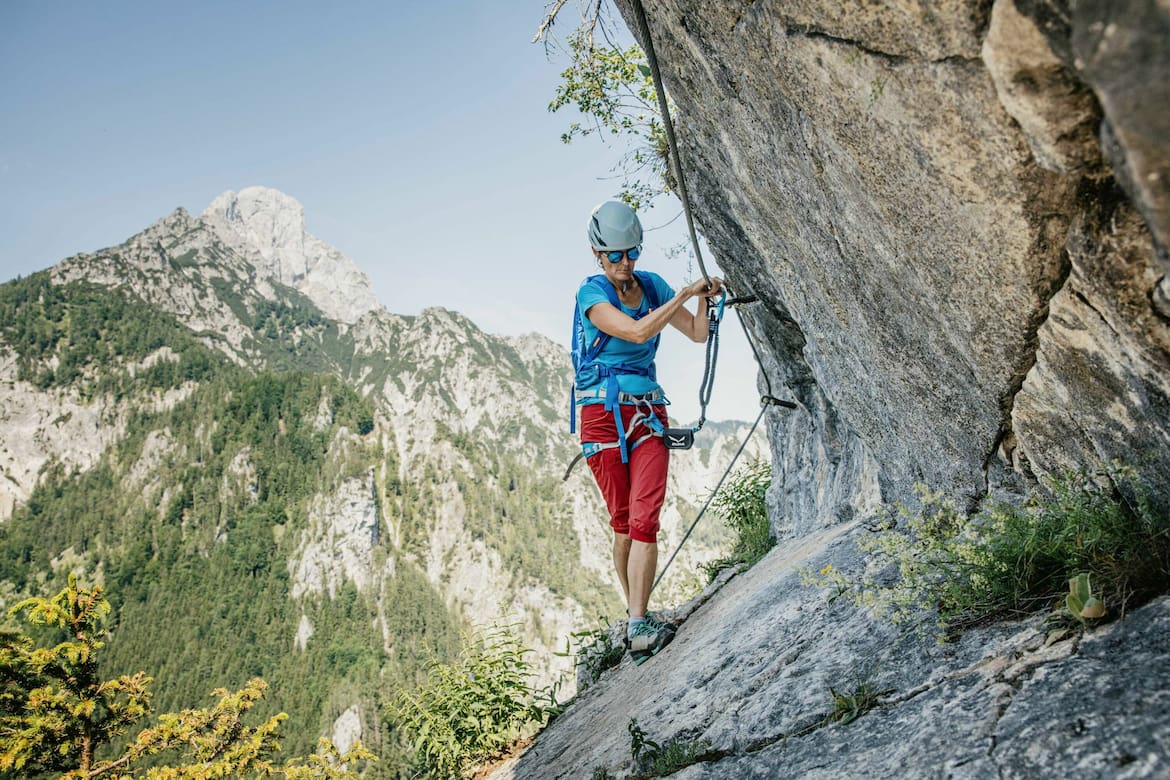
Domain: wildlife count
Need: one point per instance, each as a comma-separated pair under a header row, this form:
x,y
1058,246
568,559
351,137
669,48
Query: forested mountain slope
x,y
275,477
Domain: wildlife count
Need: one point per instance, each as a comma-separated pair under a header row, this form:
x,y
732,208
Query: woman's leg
x,y
649,463
621,562
643,562
613,480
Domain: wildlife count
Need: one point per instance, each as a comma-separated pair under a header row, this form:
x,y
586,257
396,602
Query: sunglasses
x,y
633,253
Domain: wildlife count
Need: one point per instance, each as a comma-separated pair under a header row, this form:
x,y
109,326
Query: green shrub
x,y
612,87
741,502
1018,558
660,760
593,650
473,709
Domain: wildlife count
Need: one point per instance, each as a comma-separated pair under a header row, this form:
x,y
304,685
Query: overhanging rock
x,y
953,215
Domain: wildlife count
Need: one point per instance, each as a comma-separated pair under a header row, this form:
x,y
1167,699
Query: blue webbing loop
x,y
591,448
613,404
573,408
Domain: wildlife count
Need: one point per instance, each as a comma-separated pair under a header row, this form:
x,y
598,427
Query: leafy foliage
x,y
742,501
56,709
57,714
472,709
1080,601
1016,558
594,650
612,87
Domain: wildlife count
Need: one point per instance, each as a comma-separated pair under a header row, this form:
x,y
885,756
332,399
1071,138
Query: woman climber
x,y
621,313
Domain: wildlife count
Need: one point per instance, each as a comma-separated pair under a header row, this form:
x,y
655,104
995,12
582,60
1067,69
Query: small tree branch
x,y
549,18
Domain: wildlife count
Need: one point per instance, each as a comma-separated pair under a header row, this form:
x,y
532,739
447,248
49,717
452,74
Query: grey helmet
x,y
614,225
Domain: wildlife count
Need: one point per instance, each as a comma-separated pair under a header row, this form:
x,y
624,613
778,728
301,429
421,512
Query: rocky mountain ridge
x,y
267,228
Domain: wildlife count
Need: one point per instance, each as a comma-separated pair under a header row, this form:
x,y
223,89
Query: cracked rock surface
x,y
751,668
954,216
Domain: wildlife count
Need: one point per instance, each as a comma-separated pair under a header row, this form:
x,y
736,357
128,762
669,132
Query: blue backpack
x,y
586,369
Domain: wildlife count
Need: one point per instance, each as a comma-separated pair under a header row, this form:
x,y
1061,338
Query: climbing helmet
x,y
614,225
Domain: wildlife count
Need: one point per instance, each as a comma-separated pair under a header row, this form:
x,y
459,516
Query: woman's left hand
x,y
701,288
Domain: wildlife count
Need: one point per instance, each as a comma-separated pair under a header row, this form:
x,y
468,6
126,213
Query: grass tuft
x,y
742,503
662,759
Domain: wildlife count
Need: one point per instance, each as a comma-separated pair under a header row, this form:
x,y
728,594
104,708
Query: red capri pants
x,y
633,491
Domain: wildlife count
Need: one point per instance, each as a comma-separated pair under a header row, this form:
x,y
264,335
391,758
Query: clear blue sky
x,y
416,135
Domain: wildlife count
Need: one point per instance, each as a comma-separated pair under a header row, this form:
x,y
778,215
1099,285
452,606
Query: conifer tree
x,y
56,712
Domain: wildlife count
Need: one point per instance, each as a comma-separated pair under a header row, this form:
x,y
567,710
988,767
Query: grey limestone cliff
x,y
955,217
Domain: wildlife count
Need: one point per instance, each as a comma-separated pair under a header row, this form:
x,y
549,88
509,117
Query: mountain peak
x,y
268,228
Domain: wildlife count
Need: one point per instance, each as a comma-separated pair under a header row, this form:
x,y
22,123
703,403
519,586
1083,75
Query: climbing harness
x,y
589,371
643,416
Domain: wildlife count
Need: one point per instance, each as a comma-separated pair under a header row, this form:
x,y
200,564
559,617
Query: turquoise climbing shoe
x,y
657,618
648,638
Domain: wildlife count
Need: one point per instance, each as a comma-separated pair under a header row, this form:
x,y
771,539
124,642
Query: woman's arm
x,y
609,319
693,326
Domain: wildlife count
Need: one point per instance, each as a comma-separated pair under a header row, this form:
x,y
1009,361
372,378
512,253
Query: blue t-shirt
x,y
618,351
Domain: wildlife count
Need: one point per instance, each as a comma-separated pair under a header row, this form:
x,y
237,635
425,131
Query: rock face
x,y
41,426
340,543
956,219
954,215
749,676
267,227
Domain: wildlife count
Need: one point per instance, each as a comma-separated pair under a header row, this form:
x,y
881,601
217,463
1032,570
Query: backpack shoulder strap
x,y
584,354
589,352
648,288
651,293
606,287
